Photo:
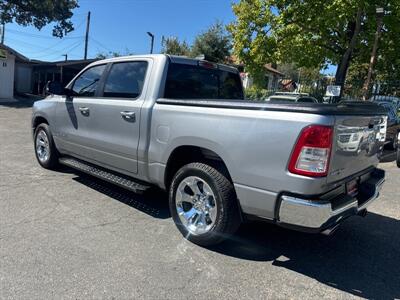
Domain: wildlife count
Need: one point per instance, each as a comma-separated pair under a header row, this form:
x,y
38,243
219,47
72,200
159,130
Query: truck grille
x,y
344,138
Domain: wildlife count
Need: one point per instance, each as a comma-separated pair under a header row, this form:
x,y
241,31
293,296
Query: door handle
x,y
128,116
84,111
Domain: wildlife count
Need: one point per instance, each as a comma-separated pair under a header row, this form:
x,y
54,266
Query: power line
x,y
32,35
100,44
58,52
43,50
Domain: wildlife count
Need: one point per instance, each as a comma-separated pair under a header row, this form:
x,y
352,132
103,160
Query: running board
x,y
104,174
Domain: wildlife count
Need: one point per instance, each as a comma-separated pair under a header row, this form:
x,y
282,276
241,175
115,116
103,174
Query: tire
x,y
398,157
218,212
45,149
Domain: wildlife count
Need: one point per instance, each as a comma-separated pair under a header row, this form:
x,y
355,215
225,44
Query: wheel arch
x,y
185,154
37,120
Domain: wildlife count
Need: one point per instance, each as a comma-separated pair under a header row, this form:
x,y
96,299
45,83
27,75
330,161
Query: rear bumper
x,y
316,215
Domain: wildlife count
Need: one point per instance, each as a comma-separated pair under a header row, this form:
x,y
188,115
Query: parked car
x,y
182,125
350,139
382,98
291,97
393,129
393,124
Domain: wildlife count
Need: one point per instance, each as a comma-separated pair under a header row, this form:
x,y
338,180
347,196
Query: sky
x,y
121,26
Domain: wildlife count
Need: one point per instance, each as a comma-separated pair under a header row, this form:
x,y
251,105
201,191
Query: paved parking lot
x,y
67,235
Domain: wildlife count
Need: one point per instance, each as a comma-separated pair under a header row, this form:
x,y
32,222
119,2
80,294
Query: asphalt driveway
x,y
67,235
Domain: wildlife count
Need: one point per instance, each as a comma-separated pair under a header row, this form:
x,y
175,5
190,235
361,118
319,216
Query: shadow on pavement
x,y
20,102
362,257
388,156
153,202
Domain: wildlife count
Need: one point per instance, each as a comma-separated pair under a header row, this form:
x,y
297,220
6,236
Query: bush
x,y
256,94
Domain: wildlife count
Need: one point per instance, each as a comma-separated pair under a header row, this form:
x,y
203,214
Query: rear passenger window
x,y
196,82
86,84
125,80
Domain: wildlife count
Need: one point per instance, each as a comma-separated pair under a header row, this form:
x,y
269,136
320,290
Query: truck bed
x,y
362,108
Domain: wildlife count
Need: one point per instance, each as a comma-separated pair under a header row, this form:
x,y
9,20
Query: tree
x,y
214,43
310,33
173,46
109,54
39,13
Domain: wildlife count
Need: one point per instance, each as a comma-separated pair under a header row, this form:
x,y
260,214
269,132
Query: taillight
x,y
311,154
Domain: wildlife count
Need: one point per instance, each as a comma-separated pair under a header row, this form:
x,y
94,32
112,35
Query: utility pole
x,y
380,12
66,56
3,30
152,41
87,34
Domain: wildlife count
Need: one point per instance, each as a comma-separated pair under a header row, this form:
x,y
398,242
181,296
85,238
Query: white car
x,y
382,98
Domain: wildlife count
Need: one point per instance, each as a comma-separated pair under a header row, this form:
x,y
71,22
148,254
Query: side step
x,y
104,174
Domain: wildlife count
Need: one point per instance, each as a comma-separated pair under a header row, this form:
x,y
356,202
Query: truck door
x,y
72,113
114,122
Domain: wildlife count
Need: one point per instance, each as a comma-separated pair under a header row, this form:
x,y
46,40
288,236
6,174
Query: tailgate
x,y
357,144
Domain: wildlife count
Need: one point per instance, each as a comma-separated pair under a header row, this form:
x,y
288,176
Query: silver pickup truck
x,y
183,125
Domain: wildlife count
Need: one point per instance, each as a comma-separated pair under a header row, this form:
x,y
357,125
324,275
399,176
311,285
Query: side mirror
x,y
68,92
53,88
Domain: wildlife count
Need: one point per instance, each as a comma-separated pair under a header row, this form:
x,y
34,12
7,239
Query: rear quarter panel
x,y
254,144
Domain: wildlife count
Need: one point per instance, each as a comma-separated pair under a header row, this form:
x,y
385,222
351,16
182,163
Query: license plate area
x,y
352,187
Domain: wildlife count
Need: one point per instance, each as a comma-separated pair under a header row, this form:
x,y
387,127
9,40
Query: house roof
x,y
17,55
235,61
63,63
273,70
21,58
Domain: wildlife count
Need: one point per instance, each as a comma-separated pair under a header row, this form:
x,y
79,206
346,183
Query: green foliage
x,y
39,13
173,46
257,94
104,55
313,33
213,43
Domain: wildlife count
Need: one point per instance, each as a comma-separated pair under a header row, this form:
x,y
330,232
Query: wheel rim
x,y
42,146
196,205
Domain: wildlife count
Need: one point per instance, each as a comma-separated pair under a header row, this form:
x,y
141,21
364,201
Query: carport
x,y
60,71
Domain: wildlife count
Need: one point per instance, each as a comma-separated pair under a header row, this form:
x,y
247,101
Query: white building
x,y
272,78
15,72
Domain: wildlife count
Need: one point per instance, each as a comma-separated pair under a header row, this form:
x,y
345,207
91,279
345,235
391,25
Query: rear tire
x,y
203,204
45,149
398,157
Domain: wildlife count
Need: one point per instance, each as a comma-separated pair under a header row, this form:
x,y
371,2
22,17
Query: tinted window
x,y
125,80
306,100
392,115
87,83
195,82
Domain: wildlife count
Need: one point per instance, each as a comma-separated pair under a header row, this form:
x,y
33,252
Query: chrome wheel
x,y
42,146
196,205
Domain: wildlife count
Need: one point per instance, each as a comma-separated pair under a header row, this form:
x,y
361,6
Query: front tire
x,y
45,149
398,157
203,204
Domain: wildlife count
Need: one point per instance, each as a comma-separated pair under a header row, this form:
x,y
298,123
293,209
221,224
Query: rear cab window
x,y
186,81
